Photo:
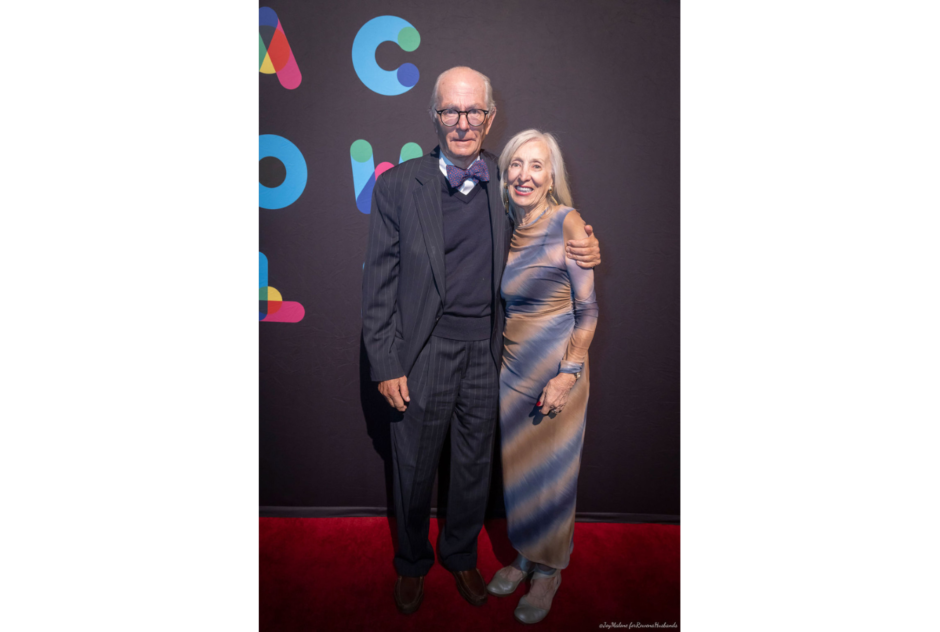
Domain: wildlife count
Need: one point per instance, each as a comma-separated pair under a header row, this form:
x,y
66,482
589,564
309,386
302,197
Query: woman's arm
x,y
583,298
584,303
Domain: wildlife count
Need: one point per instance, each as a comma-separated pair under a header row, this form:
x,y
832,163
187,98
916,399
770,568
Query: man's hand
x,y
585,252
395,393
555,394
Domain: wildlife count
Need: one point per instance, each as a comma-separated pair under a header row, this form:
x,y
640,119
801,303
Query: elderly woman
x,y
551,313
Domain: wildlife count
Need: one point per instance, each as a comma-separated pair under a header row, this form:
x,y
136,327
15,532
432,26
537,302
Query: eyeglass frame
x,y
466,114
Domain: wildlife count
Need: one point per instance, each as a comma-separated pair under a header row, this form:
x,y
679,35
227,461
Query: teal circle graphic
x,y
270,145
360,151
409,39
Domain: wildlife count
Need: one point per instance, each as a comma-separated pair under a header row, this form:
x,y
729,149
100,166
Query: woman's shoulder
x,y
572,223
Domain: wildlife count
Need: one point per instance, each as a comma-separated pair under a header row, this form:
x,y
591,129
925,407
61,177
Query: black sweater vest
x,y
468,264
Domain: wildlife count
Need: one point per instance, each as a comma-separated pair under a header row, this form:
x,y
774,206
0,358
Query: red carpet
x,y
337,574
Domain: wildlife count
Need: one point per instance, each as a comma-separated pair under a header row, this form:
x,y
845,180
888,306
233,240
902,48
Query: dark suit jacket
x,y
403,281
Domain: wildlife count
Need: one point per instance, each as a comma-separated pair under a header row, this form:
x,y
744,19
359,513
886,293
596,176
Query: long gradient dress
x,y
551,312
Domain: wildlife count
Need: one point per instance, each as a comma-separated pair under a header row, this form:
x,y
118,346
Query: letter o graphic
x,y
386,28
270,145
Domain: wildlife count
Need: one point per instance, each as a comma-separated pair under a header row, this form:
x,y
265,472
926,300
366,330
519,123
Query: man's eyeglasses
x,y
451,117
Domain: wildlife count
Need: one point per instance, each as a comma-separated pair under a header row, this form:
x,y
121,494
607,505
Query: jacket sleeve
x,y
380,317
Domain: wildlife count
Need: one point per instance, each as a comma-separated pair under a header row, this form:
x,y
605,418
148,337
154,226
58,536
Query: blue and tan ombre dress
x,y
551,312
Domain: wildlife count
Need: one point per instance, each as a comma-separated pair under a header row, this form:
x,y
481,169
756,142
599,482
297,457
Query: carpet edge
x,y
269,511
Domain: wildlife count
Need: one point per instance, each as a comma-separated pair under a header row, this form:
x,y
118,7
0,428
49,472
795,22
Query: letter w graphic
x,y
365,172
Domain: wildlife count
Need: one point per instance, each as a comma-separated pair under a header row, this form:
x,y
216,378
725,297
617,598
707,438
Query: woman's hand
x,y
555,394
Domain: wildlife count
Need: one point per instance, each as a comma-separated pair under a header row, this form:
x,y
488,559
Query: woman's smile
x,y
530,174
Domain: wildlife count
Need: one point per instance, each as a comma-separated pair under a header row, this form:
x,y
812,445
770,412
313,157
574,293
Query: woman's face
x,y
529,175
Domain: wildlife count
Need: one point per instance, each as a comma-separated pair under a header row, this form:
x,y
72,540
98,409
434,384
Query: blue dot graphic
x,y
408,75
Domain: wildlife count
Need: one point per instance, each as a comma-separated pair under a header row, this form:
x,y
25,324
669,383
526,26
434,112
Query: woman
x,y
551,313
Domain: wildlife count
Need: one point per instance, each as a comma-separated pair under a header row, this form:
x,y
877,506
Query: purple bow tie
x,y
477,172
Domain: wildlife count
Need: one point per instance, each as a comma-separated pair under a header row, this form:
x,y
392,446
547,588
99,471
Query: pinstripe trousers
x,y
454,385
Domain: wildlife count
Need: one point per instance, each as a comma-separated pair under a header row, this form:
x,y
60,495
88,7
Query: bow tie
x,y
477,172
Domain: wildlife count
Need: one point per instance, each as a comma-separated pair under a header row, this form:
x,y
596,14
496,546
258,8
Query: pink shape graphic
x,y
289,75
382,168
290,312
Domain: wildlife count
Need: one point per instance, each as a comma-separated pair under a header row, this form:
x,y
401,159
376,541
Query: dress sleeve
x,y
584,302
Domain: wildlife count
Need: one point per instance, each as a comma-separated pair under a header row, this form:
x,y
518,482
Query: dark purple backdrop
x,y
604,78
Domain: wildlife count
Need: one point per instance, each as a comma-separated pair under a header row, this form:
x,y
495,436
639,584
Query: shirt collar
x,y
444,161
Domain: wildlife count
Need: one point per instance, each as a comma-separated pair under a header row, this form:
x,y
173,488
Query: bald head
x,y
466,77
464,91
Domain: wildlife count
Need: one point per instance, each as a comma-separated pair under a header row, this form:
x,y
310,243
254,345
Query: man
x,y
432,323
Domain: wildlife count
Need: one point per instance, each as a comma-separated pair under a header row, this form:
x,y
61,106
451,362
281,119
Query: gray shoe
x,y
527,613
502,587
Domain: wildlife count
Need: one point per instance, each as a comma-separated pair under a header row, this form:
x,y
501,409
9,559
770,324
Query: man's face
x,y
462,91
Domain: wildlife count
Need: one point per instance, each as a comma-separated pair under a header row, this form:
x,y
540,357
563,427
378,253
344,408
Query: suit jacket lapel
x,y
497,221
427,198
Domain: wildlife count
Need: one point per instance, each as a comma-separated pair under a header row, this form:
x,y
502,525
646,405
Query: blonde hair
x,y
561,193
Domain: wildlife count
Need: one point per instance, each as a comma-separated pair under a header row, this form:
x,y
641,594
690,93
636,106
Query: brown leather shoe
x,y
409,591
471,586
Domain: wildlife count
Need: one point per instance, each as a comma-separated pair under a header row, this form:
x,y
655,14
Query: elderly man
x,y
432,323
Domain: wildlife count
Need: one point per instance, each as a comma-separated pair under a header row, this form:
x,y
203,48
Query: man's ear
x,y
489,120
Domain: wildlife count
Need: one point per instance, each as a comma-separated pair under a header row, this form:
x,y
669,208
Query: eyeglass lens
x,y
474,117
